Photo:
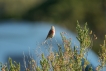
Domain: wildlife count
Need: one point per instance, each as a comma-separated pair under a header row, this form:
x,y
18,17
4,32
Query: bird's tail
x,y
44,42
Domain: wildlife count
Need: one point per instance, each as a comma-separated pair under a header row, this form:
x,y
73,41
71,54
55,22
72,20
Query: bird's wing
x,y
49,34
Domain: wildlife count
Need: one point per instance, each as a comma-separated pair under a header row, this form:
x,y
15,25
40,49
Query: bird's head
x,y
52,27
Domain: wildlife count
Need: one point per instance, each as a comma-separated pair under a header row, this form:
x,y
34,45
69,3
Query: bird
x,y
51,33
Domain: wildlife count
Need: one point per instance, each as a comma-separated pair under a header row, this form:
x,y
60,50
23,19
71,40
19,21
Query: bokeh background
x,y
64,13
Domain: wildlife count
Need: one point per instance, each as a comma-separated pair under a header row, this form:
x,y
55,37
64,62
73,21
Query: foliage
x,y
102,55
67,59
12,66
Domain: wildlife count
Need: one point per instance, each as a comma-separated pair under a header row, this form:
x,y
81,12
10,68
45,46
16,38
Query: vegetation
x,y
67,59
64,12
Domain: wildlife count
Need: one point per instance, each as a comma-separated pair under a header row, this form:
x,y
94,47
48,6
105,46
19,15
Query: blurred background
x,y
63,13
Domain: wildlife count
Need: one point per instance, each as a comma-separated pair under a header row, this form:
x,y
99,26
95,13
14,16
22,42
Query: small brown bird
x,y
51,33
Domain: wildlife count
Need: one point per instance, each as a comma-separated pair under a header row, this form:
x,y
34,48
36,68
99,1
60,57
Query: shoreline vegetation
x,y
67,59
